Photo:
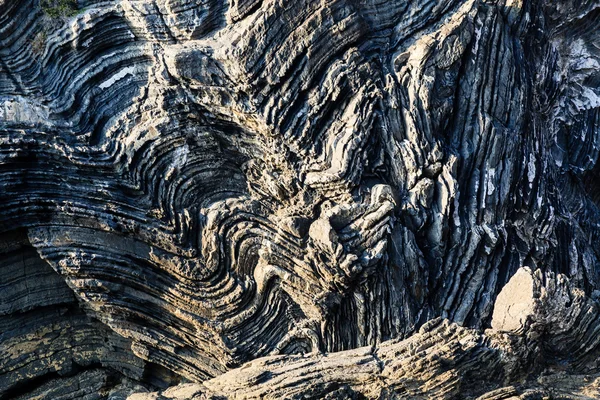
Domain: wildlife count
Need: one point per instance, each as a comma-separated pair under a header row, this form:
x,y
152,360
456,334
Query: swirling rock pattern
x,y
332,192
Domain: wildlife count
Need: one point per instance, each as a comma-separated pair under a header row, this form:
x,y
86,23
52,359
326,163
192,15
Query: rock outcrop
x,y
368,199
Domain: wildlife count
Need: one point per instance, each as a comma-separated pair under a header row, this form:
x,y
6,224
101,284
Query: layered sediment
x,y
380,199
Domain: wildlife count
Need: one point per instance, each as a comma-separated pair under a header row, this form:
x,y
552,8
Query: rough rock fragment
x,y
515,302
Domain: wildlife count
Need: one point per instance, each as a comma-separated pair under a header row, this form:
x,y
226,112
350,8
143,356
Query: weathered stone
x,y
515,302
338,199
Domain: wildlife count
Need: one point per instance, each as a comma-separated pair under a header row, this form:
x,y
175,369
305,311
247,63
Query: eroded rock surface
x,y
299,198
515,302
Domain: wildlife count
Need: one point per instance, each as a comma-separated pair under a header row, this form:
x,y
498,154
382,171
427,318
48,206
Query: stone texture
x,y
515,302
343,198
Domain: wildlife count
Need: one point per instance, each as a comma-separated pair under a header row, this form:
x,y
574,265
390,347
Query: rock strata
x,y
341,198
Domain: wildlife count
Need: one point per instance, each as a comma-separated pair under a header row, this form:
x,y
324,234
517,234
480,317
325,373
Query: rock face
x,y
515,303
299,199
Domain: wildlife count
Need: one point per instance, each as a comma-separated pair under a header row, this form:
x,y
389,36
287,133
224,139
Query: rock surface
x,y
296,199
515,302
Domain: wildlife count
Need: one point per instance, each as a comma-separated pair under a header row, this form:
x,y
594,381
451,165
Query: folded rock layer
x,y
338,197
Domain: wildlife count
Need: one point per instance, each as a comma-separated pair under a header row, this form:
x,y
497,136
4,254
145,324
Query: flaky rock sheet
x,y
208,199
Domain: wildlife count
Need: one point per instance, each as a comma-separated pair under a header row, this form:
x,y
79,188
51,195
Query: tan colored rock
x,y
515,303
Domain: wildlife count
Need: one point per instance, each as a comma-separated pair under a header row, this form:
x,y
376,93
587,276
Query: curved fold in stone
x,y
332,198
